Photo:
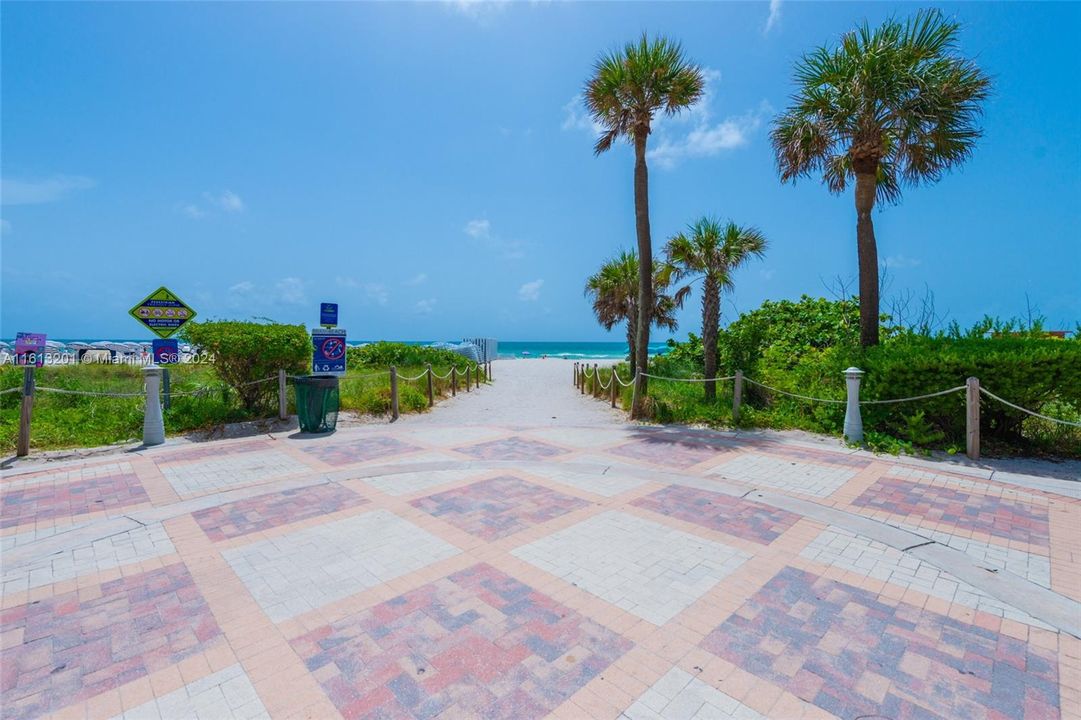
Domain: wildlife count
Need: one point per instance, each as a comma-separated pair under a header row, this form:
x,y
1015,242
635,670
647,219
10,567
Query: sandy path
x,y
525,393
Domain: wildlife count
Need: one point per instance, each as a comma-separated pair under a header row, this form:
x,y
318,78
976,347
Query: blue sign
x,y
166,352
328,352
328,314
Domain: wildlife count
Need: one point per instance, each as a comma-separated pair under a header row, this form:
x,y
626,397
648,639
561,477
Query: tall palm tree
x,y
614,291
711,251
628,88
889,106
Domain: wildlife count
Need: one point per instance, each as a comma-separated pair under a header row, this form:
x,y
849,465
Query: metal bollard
x,y
853,422
153,423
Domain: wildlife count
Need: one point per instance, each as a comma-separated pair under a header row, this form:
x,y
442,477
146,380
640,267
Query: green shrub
x,y
244,352
385,354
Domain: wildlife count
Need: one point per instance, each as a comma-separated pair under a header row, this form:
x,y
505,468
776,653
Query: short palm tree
x,y
628,88
889,106
712,251
614,291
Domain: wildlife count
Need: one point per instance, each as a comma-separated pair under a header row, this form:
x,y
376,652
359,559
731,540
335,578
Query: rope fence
x,y
853,427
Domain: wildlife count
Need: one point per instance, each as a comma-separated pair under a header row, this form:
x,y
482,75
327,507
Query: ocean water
x,y
507,349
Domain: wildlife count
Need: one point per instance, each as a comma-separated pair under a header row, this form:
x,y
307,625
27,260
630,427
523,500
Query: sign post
x,y
163,313
328,351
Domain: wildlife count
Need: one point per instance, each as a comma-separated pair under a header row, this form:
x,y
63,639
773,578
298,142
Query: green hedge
x,y
385,354
244,352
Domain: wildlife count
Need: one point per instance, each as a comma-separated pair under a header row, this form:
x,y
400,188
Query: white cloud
x,y
479,229
291,291
767,275
346,282
774,15
5,227
377,293
228,201
37,192
576,117
418,279
480,11
193,211
244,286
900,262
530,291
424,307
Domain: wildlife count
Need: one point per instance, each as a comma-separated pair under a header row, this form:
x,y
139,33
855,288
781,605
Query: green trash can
x,y
317,403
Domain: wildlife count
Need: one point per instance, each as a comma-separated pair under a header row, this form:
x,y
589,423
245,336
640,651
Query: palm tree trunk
x,y
645,270
711,319
868,258
632,328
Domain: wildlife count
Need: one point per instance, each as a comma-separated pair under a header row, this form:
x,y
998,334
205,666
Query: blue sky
x,y
429,167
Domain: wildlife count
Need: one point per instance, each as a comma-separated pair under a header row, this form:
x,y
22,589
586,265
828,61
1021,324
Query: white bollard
x,y
153,424
853,421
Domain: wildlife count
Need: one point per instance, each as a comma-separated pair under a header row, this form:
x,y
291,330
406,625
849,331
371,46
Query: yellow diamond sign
x,y
163,312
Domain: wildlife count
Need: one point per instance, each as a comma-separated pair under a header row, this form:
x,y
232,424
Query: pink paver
x,y
745,519
263,512
822,457
1004,518
358,451
211,450
73,650
498,507
477,643
47,500
673,450
842,649
512,448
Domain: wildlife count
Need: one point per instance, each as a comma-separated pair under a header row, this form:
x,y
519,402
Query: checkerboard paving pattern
x,y
74,648
822,457
501,506
844,549
996,516
306,569
643,567
107,553
681,695
1034,568
475,644
411,483
230,471
743,518
225,695
843,649
263,512
351,452
207,450
49,500
512,448
609,484
782,474
674,453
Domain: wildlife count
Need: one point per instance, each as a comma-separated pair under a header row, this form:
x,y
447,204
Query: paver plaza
x,y
499,571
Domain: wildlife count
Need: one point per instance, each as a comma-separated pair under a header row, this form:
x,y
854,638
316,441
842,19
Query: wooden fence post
x,y
576,375
582,383
468,386
431,388
737,396
614,386
477,378
972,418
596,380
23,446
283,399
393,393
453,381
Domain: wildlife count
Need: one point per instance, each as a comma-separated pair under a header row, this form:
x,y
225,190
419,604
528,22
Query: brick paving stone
x,y
512,448
844,650
678,695
107,553
672,450
495,508
204,451
996,516
822,457
49,500
1034,568
293,573
73,650
225,695
477,643
643,567
844,549
743,518
783,474
359,450
229,471
263,512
